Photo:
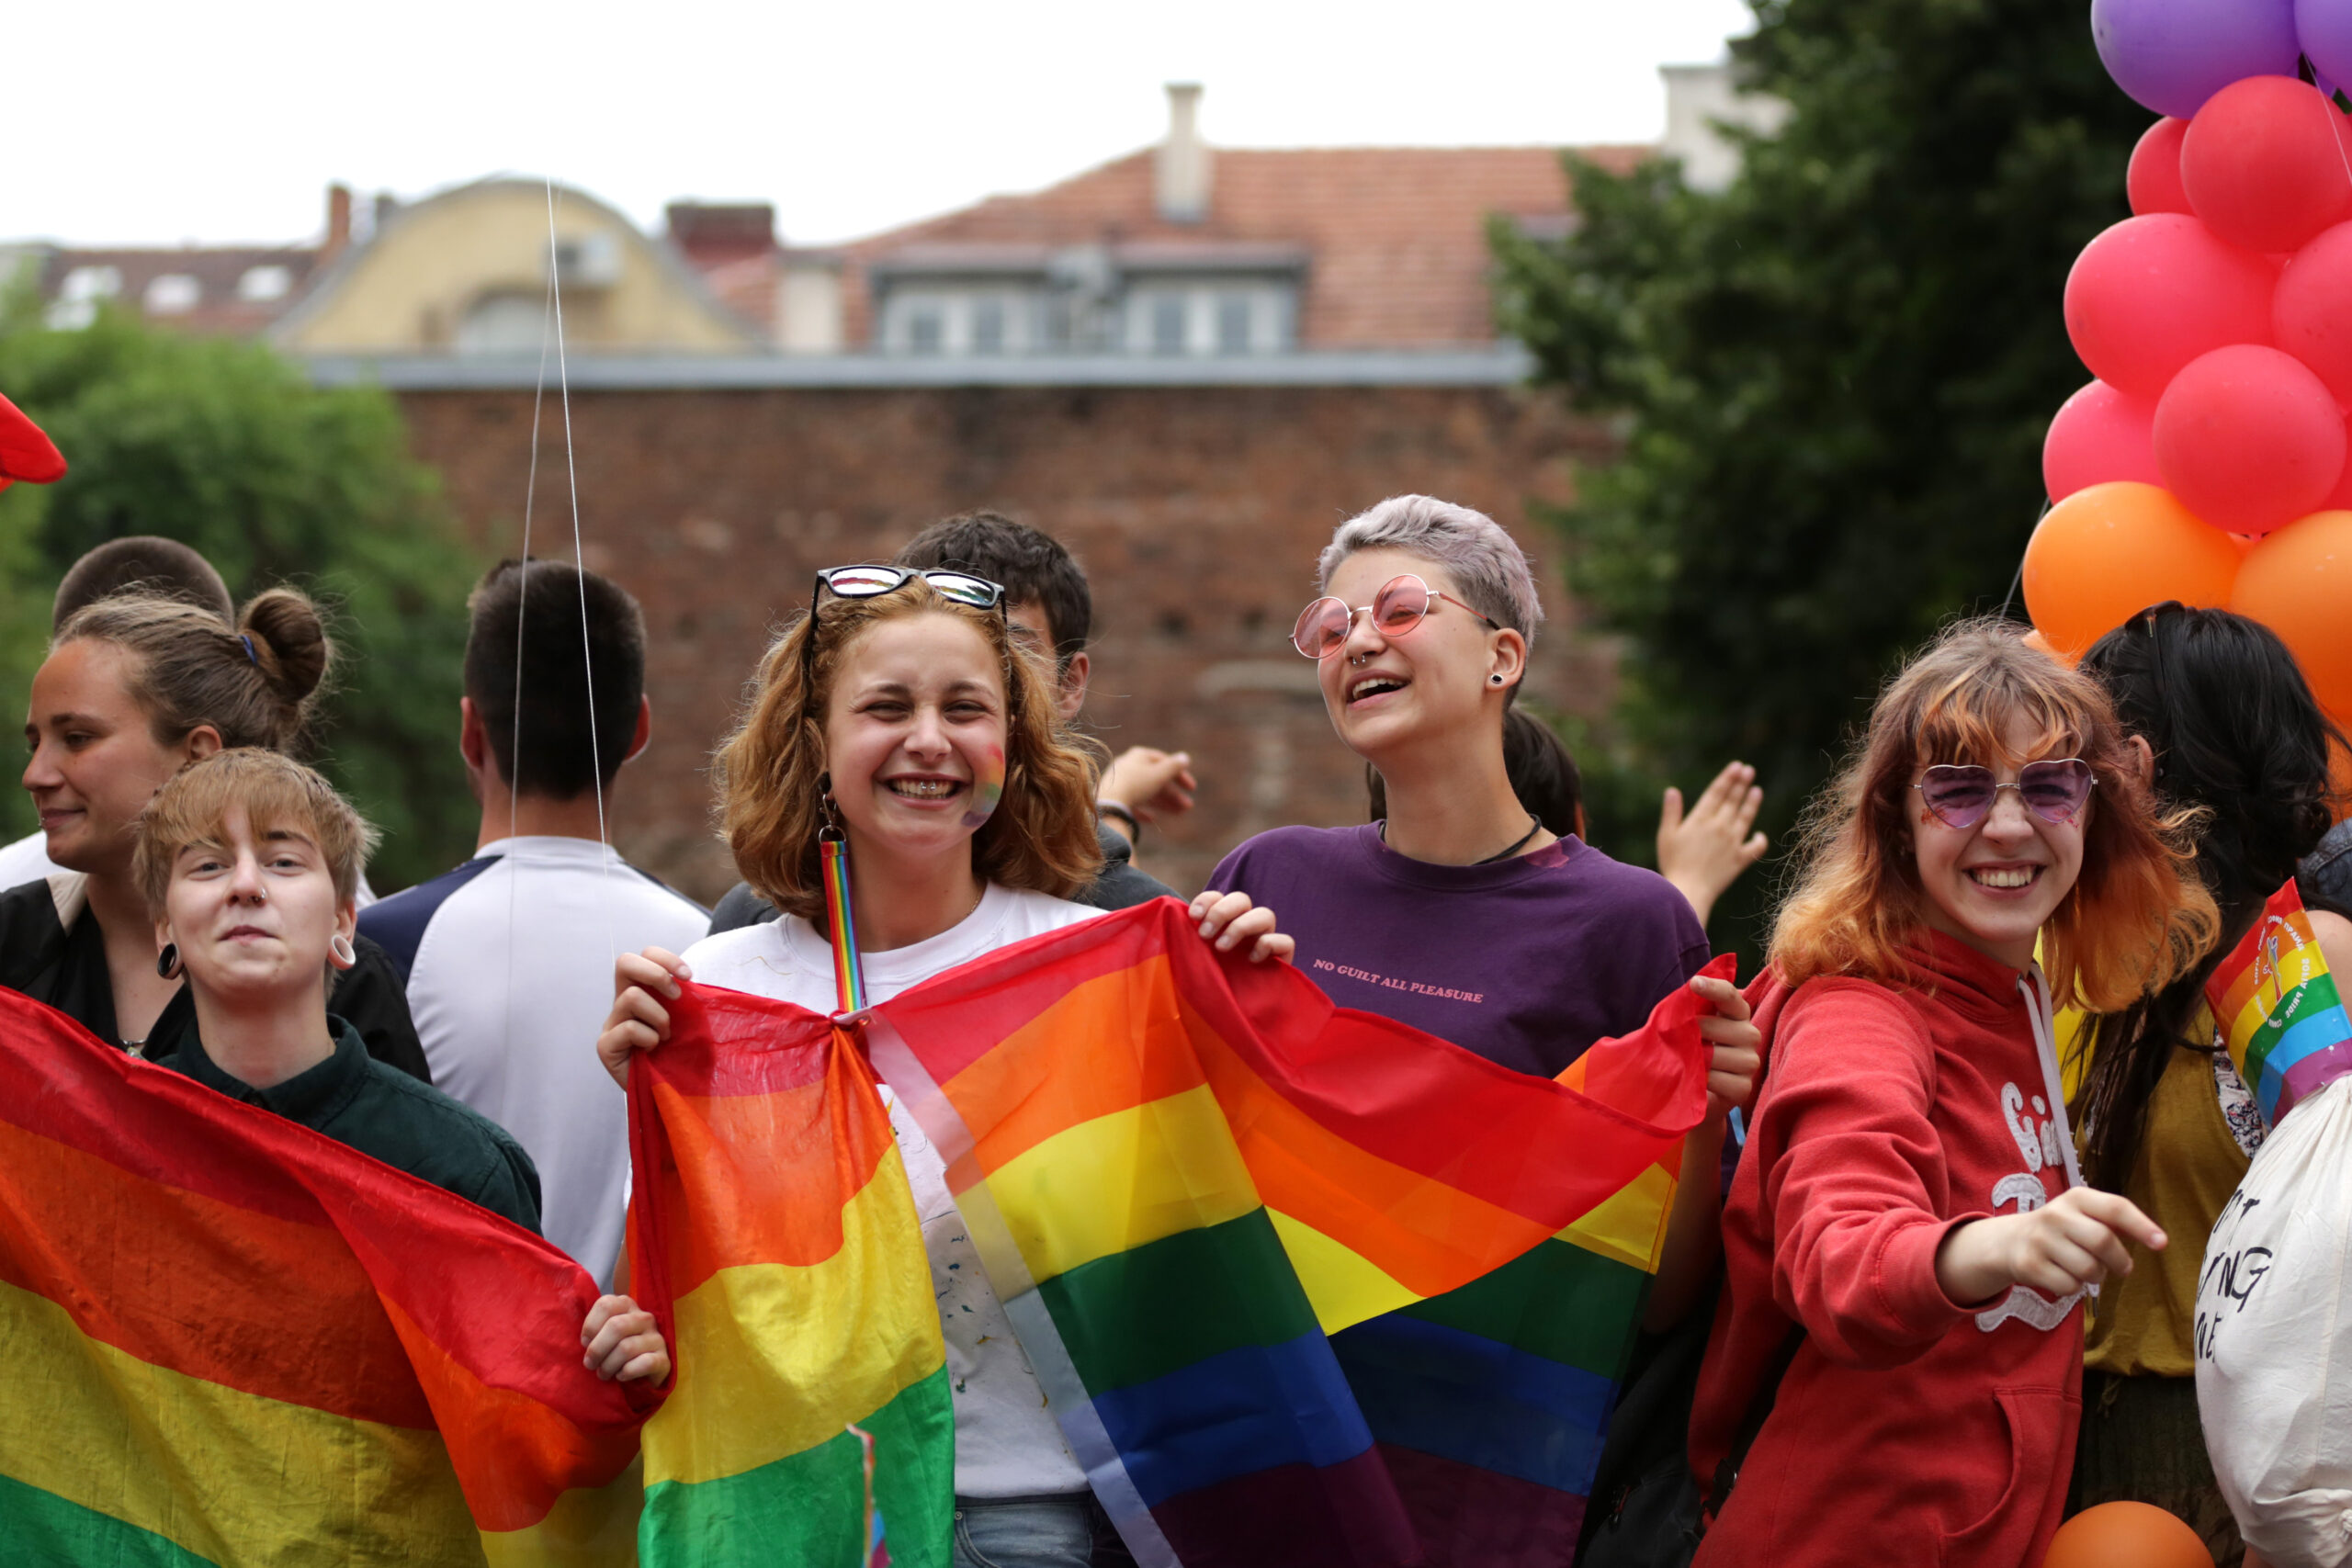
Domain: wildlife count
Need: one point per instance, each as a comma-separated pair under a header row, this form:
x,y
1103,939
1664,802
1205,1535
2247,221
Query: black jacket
x,y
53,952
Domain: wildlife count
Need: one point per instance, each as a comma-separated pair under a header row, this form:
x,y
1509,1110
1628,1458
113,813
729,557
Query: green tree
x,y
229,448
1834,376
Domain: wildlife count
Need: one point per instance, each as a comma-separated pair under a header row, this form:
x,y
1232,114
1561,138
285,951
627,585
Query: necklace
x,y
1534,826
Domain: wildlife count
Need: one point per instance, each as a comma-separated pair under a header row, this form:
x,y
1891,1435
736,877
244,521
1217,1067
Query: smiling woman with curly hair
x,y
901,716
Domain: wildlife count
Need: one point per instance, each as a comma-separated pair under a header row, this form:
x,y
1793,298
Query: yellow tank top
x,y
2188,1164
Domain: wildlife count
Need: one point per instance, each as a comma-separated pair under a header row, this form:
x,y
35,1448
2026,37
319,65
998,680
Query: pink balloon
x,y
2268,163
2153,181
2249,439
2310,313
2153,293
2100,434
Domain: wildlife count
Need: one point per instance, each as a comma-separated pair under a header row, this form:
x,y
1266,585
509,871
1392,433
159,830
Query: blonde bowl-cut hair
x,y
276,792
1041,835
2137,916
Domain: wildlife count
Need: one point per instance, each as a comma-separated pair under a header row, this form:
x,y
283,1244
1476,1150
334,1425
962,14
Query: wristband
x,y
1112,808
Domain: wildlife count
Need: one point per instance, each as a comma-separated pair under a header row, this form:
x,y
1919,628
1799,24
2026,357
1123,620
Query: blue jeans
x,y
1024,1532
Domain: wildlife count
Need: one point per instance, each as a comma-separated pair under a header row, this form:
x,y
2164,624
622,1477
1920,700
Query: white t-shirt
x,y
509,964
27,859
1007,1442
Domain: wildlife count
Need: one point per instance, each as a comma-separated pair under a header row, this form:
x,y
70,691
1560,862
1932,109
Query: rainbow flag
x,y
1303,1285
231,1341
774,1235
2279,1009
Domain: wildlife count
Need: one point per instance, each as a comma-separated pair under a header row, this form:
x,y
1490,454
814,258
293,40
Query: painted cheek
x,y
988,787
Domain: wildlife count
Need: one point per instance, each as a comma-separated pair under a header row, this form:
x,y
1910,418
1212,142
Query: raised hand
x,y
1703,853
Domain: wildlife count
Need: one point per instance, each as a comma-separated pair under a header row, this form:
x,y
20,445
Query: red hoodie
x,y
1910,1429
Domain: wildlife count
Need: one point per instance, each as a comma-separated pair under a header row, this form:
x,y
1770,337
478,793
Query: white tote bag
x,y
2273,1332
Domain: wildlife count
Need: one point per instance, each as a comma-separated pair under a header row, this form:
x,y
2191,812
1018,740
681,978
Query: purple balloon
x,y
2172,55
2325,29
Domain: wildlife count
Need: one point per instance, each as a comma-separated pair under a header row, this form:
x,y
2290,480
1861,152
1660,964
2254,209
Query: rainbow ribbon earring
x,y
833,864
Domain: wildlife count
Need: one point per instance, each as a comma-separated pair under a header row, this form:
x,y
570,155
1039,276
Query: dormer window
x,y
171,294
260,284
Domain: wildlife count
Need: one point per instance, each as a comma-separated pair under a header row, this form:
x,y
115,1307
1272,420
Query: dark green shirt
x,y
382,1112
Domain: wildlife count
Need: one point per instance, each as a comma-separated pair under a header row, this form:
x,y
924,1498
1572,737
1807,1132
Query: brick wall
x,y
1197,513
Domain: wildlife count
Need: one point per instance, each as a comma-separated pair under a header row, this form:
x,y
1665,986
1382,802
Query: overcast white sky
x,y
148,123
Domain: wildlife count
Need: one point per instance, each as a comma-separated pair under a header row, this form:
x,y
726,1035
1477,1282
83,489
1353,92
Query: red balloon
x,y
2153,180
2100,434
2268,163
2249,439
2311,313
2153,293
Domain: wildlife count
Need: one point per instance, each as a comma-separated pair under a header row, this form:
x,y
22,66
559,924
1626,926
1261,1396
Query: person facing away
x,y
890,713
143,563
2222,724
505,958
1052,610
134,689
248,863
1906,1243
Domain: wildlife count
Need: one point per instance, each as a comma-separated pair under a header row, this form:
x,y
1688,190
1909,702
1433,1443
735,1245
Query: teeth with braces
x,y
923,789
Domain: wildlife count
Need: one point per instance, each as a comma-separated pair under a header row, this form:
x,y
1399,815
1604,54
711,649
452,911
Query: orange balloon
x,y
2297,582
2126,1535
2107,552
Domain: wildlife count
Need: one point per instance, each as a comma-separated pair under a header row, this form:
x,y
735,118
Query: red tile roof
x,y
1396,236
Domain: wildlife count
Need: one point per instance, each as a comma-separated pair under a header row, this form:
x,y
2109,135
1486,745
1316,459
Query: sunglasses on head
x,y
1398,608
872,581
1961,795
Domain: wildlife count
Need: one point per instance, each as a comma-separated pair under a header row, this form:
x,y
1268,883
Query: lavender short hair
x,y
1493,573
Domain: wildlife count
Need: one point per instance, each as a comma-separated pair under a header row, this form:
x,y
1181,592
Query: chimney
x,y
338,222
711,234
1181,168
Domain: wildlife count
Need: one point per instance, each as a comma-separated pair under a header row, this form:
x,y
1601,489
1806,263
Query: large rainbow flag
x,y
774,1235
2279,1009
1303,1285
231,1341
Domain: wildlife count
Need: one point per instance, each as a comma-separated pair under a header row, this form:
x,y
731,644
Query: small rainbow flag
x,y
773,1233
232,1341
2279,1009
1303,1285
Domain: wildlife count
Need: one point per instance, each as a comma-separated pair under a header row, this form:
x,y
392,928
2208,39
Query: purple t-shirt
x,y
1526,962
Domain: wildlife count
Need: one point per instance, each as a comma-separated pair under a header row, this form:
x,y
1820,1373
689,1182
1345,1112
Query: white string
x,y
579,565
522,608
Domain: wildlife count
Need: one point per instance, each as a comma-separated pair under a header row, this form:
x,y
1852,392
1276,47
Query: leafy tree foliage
x,y
230,449
1834,376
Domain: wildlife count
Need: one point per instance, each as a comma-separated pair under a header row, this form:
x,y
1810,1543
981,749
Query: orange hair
x,y
2137,916
1041,837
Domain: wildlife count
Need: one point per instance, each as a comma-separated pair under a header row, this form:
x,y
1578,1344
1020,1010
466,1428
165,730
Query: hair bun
x,y
289,642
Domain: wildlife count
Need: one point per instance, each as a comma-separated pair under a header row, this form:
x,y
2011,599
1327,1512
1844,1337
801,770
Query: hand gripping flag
x,y
232,1341
773,1233
2277,1008
1303,1285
